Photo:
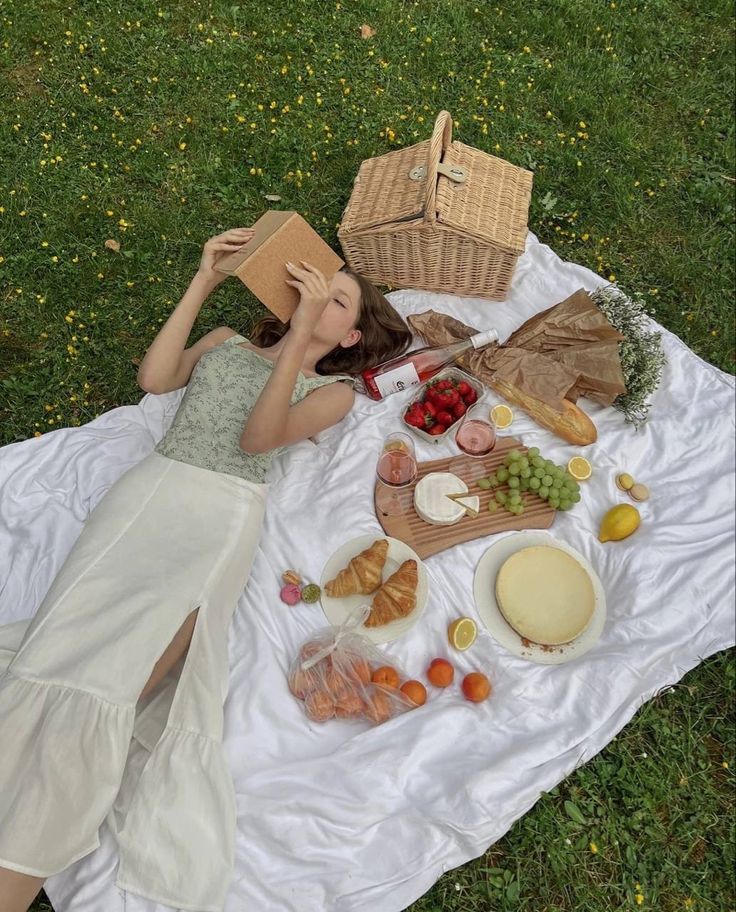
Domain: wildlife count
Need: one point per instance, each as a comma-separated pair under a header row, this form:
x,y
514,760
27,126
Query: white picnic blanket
x,y
346,818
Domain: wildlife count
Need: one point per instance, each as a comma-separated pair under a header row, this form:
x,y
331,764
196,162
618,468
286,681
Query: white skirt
x,y
77,745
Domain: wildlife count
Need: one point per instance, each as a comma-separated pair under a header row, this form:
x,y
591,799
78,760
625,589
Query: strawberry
x,y
443,384
430,407
470,397
459,409
453,397
445,418
445,399
463,388
437,429
435,395
414,420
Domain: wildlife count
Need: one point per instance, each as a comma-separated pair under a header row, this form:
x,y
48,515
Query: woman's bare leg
x,y
17,891
173,652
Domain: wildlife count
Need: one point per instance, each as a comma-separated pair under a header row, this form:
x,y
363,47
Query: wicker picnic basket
x,y
439,216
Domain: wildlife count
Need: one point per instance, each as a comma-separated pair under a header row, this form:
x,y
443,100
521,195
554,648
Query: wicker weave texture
x,y
436,233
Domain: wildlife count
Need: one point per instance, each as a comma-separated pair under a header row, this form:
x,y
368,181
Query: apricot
x,y
336,684
378,707
360,669
476,687
349,706
319,706
440,673
301,682
387,676
415,691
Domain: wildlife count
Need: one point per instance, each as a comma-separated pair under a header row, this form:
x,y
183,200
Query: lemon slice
x,y
579,468
501,416
462,633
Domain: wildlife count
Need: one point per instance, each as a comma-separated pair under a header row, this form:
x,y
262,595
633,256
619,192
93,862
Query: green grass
x,y
657,804
151,112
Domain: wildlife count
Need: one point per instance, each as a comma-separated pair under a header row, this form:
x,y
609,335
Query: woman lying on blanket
x,y
137,617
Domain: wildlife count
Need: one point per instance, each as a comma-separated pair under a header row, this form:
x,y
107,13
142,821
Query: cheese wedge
x,y
471,502
431,502
545,595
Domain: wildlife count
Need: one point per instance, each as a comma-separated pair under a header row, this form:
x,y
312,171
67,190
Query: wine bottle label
x,y
400,378
481,339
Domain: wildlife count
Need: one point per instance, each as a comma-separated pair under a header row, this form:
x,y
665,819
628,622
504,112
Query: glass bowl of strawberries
x,y
441,402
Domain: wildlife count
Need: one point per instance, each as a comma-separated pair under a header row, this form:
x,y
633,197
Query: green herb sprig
x,y
642,357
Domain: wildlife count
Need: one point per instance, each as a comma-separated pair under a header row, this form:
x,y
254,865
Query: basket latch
x,y
456,174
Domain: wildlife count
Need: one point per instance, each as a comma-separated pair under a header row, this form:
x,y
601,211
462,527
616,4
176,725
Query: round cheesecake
x,y
545,595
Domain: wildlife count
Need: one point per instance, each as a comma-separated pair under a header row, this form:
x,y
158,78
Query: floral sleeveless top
x,y
222,390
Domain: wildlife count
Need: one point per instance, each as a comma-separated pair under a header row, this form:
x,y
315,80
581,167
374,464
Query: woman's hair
x,y
384,335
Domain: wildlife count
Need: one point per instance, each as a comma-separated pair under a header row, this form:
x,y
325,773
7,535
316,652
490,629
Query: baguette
x,y
571,424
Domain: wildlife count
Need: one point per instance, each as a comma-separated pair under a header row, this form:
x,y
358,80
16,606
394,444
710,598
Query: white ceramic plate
x,y
484,590
338,609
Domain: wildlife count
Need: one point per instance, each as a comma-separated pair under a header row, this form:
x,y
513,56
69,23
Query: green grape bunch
x,y
531,473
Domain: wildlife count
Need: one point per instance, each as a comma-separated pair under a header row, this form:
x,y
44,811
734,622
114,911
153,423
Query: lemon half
x,y
580,468
462,633
501,416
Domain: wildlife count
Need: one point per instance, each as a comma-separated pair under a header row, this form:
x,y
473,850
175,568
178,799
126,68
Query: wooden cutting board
x,y
427,539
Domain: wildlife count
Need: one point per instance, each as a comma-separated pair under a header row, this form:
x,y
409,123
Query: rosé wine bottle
x,y
417,366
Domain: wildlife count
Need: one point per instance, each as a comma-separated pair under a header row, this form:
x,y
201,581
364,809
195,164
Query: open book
x,y
280,236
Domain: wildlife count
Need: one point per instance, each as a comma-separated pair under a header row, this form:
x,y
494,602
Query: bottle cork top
x,y
484,338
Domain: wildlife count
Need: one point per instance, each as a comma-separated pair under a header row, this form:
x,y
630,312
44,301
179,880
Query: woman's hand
x,y
218,247
315,293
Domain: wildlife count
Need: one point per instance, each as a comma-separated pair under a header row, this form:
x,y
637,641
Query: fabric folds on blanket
x,y
342,817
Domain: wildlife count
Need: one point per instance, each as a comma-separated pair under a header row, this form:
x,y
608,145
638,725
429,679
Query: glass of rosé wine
x,y
396,469
476,437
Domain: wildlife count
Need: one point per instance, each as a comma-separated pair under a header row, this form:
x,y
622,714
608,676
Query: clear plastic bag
x,y
332,676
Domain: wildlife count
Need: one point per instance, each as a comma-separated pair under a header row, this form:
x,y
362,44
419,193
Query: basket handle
x,y
441,139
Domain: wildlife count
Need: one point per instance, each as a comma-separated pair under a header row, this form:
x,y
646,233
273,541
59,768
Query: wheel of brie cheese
x,y
432,504
545,595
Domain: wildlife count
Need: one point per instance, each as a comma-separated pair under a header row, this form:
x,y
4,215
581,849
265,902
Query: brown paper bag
x,y
567,351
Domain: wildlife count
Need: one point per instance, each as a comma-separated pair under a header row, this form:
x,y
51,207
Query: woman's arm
x,y
274,422
163,366
159,371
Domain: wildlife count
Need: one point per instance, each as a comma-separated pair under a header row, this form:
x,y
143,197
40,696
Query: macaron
x,y
639,492
290,594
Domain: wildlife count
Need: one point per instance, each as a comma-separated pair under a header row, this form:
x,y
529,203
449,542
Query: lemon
x,y
579,468
462,633
501,416
620,522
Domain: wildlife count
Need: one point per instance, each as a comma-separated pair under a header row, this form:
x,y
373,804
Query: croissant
x,y
396,598
363,574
